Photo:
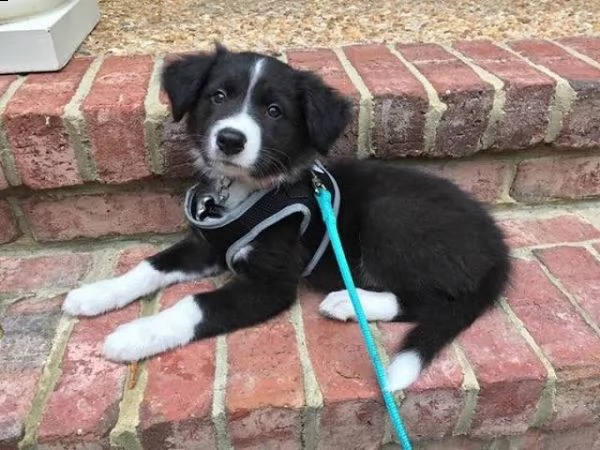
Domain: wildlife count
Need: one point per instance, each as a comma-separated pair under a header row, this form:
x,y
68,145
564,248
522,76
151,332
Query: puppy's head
x,y
251,116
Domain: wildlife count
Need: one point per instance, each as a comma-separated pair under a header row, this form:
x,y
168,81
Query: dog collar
x,y
237,227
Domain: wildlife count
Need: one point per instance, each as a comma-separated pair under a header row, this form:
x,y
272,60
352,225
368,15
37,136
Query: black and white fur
x,y
421,250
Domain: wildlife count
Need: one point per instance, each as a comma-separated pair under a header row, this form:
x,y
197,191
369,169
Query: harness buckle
x,y
207,206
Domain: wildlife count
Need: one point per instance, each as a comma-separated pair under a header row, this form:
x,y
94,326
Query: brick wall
x,y
91,151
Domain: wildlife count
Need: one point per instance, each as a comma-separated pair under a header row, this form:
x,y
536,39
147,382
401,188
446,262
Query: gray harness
x,y
233,229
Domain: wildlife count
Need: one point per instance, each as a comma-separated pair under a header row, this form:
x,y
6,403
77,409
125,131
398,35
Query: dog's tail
x,y
434,332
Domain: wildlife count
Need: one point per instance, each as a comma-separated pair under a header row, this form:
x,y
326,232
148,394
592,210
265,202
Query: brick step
x,y
525,376
91,151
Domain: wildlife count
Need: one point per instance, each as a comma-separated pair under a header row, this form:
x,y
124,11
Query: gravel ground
x,y
150,26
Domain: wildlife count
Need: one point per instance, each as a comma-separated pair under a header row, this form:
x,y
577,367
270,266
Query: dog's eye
x,y
218,97
274,111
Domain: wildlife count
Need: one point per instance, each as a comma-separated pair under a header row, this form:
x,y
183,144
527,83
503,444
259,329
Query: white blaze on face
x,y
243,122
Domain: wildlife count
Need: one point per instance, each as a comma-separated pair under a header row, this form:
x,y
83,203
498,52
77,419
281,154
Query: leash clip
x,y
316,182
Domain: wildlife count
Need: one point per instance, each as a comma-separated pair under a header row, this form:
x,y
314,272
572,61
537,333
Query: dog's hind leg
x,y
441,320
189,259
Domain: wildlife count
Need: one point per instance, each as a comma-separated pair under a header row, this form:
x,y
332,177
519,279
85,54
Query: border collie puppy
x,y
420,249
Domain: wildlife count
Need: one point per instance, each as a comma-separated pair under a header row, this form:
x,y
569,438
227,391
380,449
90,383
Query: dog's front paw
x,y
148,336
129,342
89,300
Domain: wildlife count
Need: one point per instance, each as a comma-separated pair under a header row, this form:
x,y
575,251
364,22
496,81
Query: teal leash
x,y
324,200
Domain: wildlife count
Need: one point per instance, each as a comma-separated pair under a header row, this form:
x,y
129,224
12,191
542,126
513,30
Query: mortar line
x,y
436,108
219,410
156,114
590,248
313,398
547,400
365,111
583,313
74,123
559,244
125,433
7,159
509,180
576,53
19,215
471,388
59,247
47,382
583,216
496,114
219,413
562,100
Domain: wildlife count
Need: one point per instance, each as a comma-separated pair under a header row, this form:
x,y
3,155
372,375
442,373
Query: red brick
x,y
325,63
557,178
587,45
579,272
114,114
5,82
483,179
352,408
528,94
571,346
35,129
264,387
556,59
132,256
29,274
468,98
455,443
511,377
9,229
97,215
433,404
179,162
169,416
399,101
29,332
577,439
84,405
564,228
581,127
34,304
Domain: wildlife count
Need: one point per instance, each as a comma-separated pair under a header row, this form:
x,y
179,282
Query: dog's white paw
x,y
337,305
91,299
404,370
151,335
133,341
376,305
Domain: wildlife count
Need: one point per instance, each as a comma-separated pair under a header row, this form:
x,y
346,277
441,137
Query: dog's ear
x,y
326,111
183,78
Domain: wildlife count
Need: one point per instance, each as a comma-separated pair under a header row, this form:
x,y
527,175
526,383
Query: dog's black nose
x,y
230,141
